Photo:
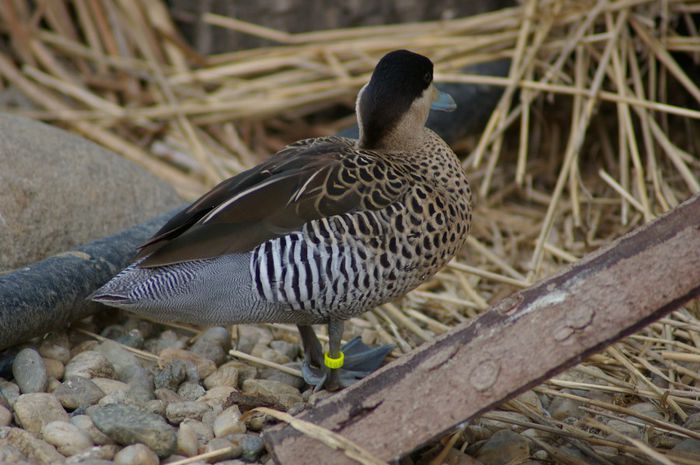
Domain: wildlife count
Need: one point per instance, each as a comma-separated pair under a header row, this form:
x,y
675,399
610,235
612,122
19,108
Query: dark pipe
x,y
49,294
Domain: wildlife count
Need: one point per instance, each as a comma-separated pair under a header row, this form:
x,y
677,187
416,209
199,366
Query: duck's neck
x,y
407,135
402,132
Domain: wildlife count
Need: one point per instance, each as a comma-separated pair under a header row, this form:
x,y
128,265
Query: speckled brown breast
x,y
414,216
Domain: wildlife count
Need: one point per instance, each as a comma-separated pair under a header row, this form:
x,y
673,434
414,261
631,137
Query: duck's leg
x,y
340,366
351,362
334,359
312,368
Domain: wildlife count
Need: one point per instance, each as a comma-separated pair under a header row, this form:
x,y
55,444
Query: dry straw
x,y
595,134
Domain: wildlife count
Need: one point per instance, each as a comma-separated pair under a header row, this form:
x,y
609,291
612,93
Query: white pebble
x,y
5,416
54,368
89,364
187,443
229,421
136,454
86,425
68,438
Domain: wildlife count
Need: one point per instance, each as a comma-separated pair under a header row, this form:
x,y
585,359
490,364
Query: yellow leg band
x,y
334,363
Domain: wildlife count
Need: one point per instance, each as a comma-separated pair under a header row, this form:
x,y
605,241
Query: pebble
x,y
569,453
155,406
146,328
5,416
118,397
257,421
285,394
166,395
503,448
88,344
203,365
252,446
204,431
171,375
53,385
286,378
126,366
133,338
29,371
495,425
4,403
220,444
624,428
191,391
93,462
537,433
141,390
56,346
249,335
530,399
272,355
457,457
187,441
54,368
687,448
128,369
66,437
11,454
110,386
36,450
10,391
475,433
213,344
77,392
168,339
94,455
579,376
86,425
223,376
245,371
228,422
561,408
648,409
136,454
285,348
90,364
178,411
35,410
129,425
217,396
693,422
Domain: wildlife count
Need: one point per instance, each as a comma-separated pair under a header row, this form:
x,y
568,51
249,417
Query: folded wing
x,y
308,180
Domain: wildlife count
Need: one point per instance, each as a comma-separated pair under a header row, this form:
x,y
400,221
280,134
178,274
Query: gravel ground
x,y
121,390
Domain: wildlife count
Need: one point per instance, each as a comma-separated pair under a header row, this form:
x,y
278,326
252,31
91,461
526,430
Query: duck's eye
x,y
428,78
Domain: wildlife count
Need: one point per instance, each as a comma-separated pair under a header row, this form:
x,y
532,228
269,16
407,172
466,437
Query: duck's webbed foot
x,y
340,366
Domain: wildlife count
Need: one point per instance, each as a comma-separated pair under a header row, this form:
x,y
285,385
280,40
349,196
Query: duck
x,y
323,231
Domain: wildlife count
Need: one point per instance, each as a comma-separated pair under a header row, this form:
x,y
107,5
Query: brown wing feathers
x,y
305,181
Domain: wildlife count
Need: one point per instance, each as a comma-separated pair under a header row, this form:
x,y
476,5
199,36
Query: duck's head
x,y
393,106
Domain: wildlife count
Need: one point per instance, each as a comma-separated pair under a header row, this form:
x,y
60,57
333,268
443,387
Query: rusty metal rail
x,y
520,342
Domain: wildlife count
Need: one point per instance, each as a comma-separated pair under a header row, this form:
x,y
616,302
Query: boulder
x,y
58,190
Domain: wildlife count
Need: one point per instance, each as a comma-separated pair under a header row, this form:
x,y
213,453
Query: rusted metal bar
x,y
520,342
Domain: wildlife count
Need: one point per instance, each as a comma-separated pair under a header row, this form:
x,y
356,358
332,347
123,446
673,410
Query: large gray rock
x,y
58,190
128,425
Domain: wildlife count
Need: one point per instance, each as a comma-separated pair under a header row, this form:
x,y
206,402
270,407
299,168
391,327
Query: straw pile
x,y
596,133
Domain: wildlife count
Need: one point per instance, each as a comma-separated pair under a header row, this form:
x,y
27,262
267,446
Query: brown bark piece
x,y
520,342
